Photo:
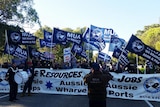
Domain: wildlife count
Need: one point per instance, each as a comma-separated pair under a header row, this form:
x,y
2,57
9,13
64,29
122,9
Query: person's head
x,y
14,65
29,64
95,67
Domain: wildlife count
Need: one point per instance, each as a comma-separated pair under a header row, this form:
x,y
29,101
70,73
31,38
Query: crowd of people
x,y
96,80
110,67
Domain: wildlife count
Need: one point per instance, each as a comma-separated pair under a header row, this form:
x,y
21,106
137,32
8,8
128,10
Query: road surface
x,y
52,100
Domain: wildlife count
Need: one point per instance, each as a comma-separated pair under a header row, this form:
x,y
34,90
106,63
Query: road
x,y
50,100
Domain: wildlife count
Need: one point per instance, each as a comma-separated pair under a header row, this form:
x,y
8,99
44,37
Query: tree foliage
x,y
18,12
140,32
13,14
151,37
157,45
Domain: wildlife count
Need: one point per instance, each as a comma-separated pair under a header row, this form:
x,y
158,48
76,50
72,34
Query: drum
x,y
21,77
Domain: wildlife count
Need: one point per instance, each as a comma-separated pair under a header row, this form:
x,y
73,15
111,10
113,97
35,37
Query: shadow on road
x,y
50,100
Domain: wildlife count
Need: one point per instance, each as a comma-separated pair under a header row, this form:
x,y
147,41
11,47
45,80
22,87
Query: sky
x,y
125,17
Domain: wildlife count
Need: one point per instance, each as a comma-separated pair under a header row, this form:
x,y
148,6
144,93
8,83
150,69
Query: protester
x,y
97,83
84,64
66,65
73,62
28,84
13,85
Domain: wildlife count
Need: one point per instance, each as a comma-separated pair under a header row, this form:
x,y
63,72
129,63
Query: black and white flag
x,y
135,45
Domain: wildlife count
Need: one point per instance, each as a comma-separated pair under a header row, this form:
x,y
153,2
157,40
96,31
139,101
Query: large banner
x,y
70,82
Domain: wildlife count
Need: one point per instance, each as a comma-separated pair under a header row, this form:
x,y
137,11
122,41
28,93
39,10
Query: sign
x,y
67,54
70,82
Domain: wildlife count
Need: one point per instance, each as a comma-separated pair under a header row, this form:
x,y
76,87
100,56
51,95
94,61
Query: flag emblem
x,y
60,36
15,37
97,34
137,46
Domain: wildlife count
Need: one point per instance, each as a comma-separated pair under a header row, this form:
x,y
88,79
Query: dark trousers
x,y
28,85
13,91
97,103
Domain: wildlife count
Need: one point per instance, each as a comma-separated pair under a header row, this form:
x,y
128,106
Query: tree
x,y
157,45
140,32
151,37
18,12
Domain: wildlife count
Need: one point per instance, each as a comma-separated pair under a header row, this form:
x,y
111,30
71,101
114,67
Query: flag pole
x,y
88,47
137,64
50,49
28,58
145,67
109,43
6,41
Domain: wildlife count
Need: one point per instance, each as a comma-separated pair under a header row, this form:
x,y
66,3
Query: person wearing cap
x,y
13,85
28,85
97,82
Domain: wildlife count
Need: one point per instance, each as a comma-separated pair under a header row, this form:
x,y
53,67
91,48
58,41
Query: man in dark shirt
x,y
97,83
13,85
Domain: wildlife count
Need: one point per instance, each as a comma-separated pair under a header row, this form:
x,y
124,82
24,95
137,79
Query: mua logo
x,y
43,43
137,46
34,52
48,37
152,85
60,36
15,37
77,49
117,54
117,42
97,34
11,49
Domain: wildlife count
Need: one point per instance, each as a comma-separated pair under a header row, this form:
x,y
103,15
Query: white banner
x,y
135,86
70,82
